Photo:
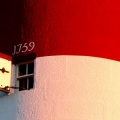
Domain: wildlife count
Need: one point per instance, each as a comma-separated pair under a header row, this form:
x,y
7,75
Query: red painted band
x,y
62,27
5,56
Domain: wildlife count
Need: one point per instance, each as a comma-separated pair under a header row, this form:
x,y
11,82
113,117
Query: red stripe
x,y
64,27
5,56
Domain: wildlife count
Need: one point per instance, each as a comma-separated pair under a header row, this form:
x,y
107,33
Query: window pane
x,y
30,68
22,69
31,83
23,84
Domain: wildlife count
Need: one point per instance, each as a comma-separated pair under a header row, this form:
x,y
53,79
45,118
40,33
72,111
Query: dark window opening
x,y
31,83
22,69
23,84
26,76
30,68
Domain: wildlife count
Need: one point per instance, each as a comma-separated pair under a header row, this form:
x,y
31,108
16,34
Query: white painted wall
x,y
68,88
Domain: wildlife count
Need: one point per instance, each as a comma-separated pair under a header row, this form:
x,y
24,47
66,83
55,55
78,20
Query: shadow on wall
x,y
2,94
10,24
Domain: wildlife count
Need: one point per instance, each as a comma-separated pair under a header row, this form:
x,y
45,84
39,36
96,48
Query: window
x,y
25,75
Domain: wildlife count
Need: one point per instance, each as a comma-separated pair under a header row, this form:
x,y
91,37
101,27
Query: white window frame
x,y
24,76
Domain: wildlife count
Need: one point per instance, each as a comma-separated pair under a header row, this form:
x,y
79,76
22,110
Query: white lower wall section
x,y
68,88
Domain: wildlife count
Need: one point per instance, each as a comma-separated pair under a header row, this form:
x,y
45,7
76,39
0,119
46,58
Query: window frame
x,y
26,76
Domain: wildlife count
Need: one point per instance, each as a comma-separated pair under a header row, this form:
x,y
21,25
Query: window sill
x,y
25,76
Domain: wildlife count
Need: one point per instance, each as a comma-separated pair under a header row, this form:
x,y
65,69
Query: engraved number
x,y
31,45
19,48
14,50
23,48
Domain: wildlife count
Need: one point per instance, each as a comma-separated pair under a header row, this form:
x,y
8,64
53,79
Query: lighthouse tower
x,y
59,60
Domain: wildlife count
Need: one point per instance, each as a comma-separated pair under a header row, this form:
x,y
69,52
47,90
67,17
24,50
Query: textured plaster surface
x,y
68,88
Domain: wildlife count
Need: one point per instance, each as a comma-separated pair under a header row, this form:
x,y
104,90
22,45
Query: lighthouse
x,y
59,60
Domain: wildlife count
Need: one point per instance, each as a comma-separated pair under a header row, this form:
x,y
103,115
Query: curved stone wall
x,y
68,87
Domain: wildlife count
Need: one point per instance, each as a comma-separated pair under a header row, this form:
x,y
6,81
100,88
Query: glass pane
x,y
22,69
31,83
23,84
30,68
